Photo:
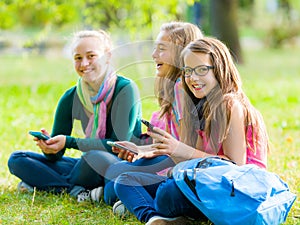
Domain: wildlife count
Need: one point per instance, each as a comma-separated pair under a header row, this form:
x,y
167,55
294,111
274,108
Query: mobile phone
x,y
39,135
111,143
148,124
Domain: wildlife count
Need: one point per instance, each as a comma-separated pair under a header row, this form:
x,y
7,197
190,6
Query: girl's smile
x,y
162,54
198,87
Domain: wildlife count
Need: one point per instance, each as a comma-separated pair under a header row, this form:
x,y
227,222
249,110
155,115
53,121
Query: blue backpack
x,y
229,194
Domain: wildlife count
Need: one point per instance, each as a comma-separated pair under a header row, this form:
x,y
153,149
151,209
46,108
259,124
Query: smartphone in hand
x,y
39,135
114,144
149,125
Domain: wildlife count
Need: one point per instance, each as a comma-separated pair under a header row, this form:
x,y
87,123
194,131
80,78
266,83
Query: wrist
x,y
183,152
192,154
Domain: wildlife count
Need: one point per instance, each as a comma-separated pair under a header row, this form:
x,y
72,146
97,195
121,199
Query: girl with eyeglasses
x,y
218,120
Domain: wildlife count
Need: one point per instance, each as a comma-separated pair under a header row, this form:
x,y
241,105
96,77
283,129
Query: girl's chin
x,y
159,73
89,80
199,94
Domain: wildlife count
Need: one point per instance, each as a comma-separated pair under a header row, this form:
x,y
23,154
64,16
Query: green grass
x,y
31,85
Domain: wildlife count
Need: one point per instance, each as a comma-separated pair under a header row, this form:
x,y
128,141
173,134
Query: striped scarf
x,y
97,105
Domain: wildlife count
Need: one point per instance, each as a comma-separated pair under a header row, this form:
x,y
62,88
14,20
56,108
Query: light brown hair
x,y
217,108
179,34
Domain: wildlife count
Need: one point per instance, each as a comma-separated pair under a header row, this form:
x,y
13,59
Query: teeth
x,y
199,85
158,66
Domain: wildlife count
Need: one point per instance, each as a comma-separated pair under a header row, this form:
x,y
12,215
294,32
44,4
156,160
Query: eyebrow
x,y
164,43
88,52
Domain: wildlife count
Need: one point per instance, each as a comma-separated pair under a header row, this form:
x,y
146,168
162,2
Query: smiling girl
x,y
218,120
107,106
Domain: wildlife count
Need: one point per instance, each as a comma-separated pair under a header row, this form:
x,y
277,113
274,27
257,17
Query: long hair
x,y
216,110
179,35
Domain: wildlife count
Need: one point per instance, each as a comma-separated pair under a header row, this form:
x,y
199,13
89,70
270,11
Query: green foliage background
x,y
29,89
32,80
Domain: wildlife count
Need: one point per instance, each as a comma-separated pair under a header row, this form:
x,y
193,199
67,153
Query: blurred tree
x,y
285,27
248,7
7,17
38,13
223,14
135,17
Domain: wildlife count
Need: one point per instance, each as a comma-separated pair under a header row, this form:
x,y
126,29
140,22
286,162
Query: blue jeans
x,y
110,167
147,195
70,174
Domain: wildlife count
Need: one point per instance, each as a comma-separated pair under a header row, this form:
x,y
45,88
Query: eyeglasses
x,y
201,70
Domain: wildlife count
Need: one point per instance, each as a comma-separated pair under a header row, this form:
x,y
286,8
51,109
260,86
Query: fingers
x,y
116,150
121,153
44,131
162,132
160,135
160,145
156,132
158,138
130,157
126,155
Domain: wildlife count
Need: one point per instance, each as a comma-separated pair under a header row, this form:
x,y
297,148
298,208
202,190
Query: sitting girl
x,y
218,119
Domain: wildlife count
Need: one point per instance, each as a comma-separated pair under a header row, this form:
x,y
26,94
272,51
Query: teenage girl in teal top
x,y
106,104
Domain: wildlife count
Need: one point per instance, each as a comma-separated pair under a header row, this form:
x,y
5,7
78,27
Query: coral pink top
x,y
258,157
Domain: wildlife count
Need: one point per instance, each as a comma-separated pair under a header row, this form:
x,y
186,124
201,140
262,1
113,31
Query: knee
x,y
121,180
14,159
124,180
15,156
115,169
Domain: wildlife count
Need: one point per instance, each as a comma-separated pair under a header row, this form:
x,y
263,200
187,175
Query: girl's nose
x,y
85,61
194,76
154,54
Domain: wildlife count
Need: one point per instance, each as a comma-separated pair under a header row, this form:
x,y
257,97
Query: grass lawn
x,y
31,86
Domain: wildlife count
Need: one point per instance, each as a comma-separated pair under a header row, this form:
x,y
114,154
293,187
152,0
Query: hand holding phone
x,y
115,144
39,135
148,124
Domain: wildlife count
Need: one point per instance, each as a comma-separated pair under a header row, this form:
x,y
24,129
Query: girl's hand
x,y
166,144
124,154
44,131
53,145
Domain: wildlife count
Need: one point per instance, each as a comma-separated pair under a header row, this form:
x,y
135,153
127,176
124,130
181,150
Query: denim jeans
x,y
110,167
147,195
137,192
70,174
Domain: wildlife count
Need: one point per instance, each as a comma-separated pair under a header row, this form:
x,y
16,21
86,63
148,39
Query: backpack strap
x,y
191,184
